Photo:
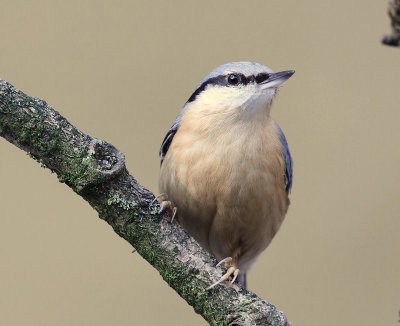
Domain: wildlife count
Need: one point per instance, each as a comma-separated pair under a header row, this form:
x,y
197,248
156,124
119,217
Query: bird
x,y
226,169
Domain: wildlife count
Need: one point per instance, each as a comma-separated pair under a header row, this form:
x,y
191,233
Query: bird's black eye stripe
x,y
239,79
218,80
262,77
230,80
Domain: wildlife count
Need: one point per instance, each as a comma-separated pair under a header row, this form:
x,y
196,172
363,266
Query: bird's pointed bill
x,y
277,78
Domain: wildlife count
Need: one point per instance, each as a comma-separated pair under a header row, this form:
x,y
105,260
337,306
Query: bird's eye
x,y
262,77
233,79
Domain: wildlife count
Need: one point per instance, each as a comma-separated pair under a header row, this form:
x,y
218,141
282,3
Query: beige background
x,y
121,71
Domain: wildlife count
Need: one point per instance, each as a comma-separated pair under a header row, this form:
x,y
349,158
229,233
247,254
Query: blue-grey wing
x,y
168,138
288,161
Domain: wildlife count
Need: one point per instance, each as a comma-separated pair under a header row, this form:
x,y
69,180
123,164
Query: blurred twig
x,y
96,171
394,14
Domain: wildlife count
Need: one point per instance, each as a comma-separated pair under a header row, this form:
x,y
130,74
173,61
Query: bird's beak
x,y
277,78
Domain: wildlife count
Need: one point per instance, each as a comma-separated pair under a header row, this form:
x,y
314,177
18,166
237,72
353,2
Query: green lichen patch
x,y
80,171
24,118
119,200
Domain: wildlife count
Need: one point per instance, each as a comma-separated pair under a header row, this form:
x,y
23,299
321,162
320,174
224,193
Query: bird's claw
x,y
165,205
232,272
227,261
169,207
159,198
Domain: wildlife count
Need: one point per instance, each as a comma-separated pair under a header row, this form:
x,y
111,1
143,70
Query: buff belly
x,y
226,198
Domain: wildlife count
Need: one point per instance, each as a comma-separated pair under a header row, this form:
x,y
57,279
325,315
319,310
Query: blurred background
x,y
121,71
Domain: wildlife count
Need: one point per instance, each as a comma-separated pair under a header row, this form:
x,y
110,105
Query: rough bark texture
x,y
96,171
394,14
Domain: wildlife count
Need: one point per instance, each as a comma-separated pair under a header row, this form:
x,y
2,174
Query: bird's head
x,y
245,86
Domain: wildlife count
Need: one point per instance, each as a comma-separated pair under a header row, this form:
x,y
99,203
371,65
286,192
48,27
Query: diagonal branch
x,y
96,171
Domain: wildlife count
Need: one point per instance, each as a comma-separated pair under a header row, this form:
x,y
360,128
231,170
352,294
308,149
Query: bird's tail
x,y
242,279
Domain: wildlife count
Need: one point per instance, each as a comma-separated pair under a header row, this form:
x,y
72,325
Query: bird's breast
x,y
228,186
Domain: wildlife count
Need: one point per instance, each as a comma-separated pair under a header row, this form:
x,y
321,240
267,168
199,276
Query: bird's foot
x,y
165,205
231,273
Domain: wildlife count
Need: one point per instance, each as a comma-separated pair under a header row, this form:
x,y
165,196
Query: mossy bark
x,y
96,171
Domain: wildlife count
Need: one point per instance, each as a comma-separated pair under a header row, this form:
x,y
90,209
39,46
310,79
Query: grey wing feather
x,y
288,161
168,138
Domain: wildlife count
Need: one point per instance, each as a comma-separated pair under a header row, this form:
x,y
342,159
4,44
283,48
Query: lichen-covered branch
x,y
96,171
394,14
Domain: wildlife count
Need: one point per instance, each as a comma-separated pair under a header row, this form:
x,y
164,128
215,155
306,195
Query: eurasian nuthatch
x,y
226,165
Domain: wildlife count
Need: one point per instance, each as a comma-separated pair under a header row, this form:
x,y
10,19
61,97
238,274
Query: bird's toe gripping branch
x,y
232,272
166,205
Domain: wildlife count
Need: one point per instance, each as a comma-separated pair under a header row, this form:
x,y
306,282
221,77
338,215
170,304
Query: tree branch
x,y
394,14
96,171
